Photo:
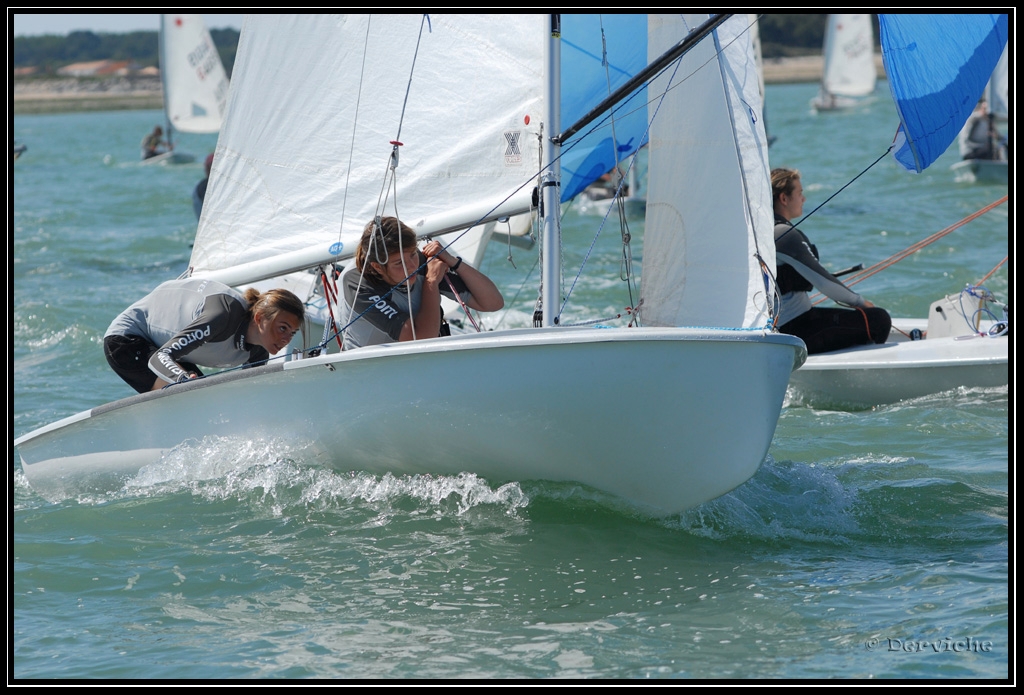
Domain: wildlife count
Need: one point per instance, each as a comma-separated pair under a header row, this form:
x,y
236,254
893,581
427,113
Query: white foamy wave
x,y
226,468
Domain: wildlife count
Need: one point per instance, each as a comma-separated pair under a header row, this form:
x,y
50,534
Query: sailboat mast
x,y
162,52
551,179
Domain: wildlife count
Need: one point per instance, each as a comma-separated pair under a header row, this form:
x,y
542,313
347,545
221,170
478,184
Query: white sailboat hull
x,y
171,158
635,206
982,170
664,418
900,369
835,103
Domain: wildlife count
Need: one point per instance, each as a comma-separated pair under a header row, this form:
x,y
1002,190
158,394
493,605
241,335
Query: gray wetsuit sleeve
x,y
794,249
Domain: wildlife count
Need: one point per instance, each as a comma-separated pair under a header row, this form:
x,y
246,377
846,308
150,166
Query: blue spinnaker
x,y
937,66
585,83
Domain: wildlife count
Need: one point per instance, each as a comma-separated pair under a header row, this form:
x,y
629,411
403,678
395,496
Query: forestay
x,y
194,82
709,208
936,82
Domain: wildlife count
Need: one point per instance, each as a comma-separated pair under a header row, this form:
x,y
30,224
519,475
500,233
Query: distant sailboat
x,y
936,67
998,97
988,163
849,72
195,84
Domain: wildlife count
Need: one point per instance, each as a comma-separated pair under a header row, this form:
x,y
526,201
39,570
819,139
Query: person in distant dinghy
x,y
396,293
154,143
979,138
822,329
160,339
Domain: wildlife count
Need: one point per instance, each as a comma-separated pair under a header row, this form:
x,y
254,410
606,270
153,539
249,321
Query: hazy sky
x,y
35,24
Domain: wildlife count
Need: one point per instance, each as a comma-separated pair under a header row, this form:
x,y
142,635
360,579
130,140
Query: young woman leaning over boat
x,y
162,338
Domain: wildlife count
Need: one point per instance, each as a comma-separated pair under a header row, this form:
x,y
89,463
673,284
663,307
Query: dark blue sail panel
x,y
586,82
937,66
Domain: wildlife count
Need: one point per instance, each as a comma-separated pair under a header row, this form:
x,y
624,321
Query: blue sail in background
x,y
585,83
937,66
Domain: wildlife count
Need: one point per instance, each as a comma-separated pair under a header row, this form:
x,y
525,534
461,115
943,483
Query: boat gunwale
x,y
519,337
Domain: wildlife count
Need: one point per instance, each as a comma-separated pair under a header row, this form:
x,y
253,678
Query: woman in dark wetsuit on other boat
x,y
822,329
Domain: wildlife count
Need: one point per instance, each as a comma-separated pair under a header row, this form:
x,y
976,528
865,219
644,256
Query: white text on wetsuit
x,y
383,307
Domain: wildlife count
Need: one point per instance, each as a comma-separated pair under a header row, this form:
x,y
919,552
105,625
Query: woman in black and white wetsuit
x,y
163,338
798,271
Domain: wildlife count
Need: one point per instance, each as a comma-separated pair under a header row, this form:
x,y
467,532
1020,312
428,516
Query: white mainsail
x,y
709,207
194,81
290,193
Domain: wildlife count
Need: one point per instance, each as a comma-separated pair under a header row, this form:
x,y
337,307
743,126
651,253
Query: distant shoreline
x,y
63,94
53,95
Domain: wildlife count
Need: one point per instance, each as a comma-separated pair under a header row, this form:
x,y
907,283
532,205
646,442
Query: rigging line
x,y
637,86
458,298
867,272
913,248
355,120
626,266
392,158
604,220
608,81
622,176
401,252
522,286
753,115
412,68
389,180
845,186
397,142
993,271
331,298
691,40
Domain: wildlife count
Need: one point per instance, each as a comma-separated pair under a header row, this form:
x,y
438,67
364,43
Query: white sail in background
x,y
709,205
998,90
849,54
194,82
